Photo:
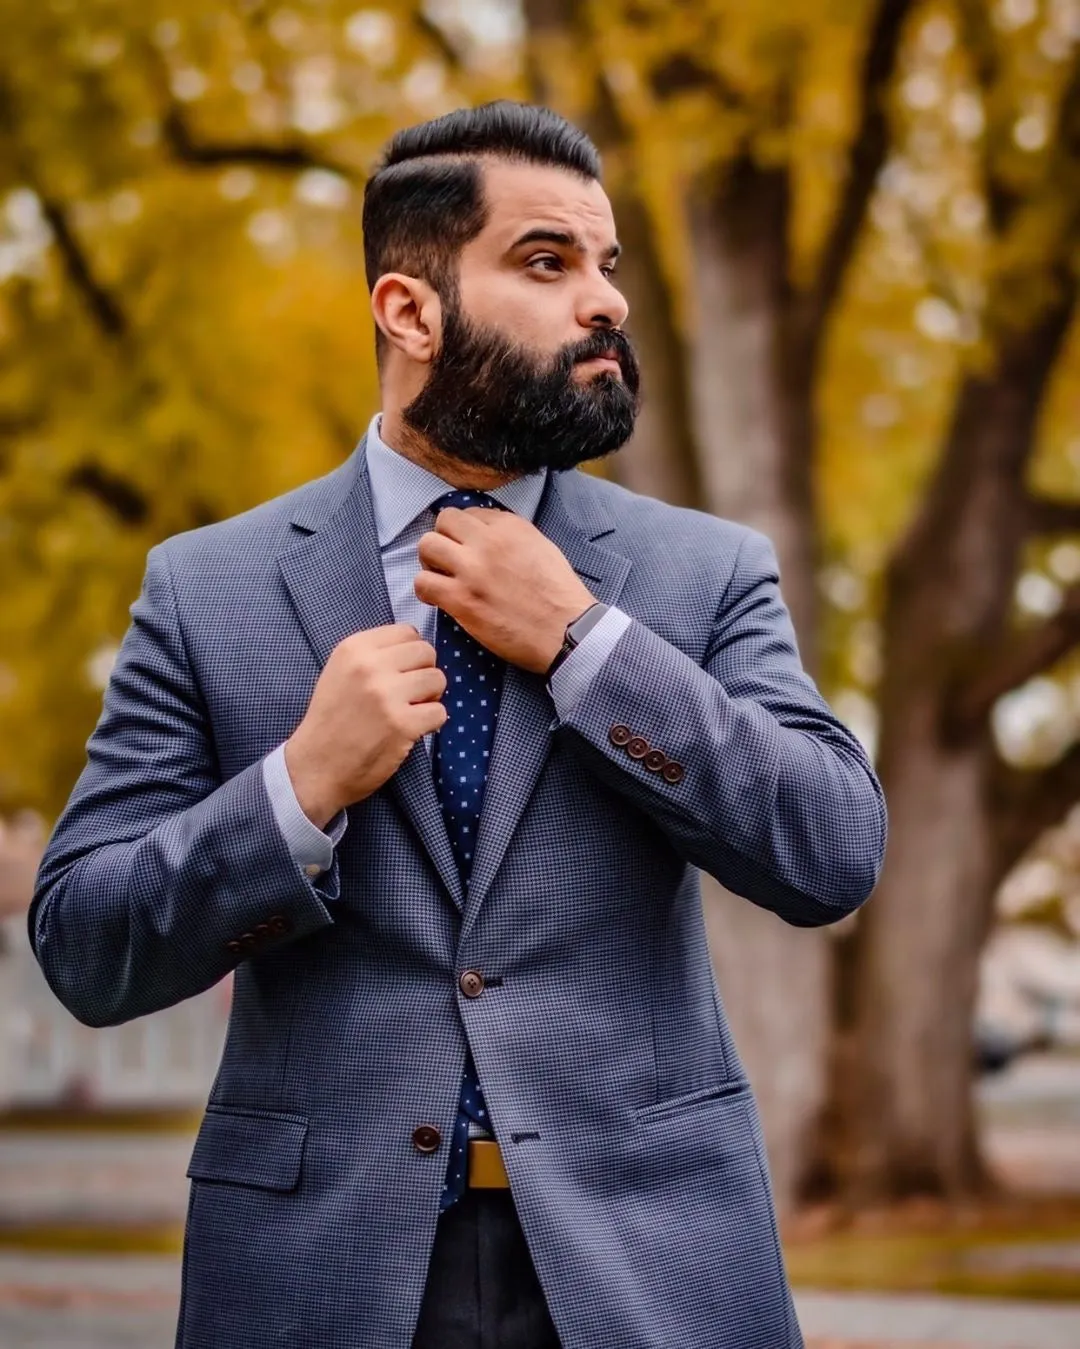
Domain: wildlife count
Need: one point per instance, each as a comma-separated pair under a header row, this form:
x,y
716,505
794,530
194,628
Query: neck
x,y
411,445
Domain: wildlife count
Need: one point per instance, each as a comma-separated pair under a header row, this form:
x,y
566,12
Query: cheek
x,y
528,312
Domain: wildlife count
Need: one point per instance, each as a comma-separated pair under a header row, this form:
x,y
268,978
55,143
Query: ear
x,y
409,315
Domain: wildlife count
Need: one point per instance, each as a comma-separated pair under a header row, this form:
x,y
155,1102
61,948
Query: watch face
x,y
580,626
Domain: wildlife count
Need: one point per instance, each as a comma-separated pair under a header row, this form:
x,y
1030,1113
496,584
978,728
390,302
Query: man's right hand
x,y
378,694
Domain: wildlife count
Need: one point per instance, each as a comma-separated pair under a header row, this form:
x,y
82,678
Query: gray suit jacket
x,y
627,1125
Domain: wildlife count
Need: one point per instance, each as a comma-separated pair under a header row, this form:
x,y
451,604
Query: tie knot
x,y
463,498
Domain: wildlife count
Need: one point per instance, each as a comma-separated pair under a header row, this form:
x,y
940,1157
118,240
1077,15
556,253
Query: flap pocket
x,y
249,1147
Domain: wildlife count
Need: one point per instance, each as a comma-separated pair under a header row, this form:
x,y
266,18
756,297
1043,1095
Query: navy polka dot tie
x,y
462,752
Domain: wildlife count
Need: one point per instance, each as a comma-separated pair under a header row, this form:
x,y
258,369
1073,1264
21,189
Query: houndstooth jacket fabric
x,y
629,1132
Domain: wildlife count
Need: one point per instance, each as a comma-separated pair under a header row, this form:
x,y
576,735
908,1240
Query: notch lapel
x,y
571,515
335,579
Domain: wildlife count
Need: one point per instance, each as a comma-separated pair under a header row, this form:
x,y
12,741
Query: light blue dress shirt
x,y
402,493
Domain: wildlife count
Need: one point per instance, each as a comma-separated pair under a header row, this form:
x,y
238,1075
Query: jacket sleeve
x,y
776,798
159,877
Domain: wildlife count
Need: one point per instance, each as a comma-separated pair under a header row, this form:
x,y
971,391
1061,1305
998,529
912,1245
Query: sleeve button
x,y
313,869
673,772
638,747
655,760
620,735
234,948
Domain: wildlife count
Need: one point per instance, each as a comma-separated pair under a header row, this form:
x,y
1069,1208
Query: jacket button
x,y
637,748
620,735
471,983
248,941
279,925
673,772
426,1138
655,760
234,948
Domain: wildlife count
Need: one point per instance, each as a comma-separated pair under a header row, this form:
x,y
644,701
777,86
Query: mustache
x,y
599,343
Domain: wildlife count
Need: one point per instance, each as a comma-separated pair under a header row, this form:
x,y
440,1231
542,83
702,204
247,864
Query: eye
x,y
547,262
608,269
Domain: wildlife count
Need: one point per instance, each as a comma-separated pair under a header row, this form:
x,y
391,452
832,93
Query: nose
x,y
602,305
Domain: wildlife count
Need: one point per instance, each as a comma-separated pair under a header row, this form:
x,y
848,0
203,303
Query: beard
x,y
492,402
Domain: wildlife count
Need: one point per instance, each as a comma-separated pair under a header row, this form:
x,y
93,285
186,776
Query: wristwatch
x,y
575,633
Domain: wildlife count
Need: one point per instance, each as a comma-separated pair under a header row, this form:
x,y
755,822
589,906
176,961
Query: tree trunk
x,y
752,414
906,1102
661,459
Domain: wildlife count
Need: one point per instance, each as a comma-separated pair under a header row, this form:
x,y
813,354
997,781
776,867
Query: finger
x,y
424,717
422,686
440,552
457,524
390,634
418,655
432,588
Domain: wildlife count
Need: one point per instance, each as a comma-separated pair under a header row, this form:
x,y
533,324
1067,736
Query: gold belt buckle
x,y
486,1169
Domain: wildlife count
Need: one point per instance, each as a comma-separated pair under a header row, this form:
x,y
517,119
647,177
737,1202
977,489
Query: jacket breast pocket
x,y
263,1148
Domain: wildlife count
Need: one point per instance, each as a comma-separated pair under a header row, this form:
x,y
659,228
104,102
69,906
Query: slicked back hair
x,y
425,201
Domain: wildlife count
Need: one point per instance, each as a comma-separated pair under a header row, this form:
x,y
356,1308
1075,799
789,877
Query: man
x,y
435,782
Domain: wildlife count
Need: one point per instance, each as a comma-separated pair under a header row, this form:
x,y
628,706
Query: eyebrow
x,y
542,235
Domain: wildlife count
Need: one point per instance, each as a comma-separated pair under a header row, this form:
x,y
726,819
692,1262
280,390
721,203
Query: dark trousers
x,y
482,1291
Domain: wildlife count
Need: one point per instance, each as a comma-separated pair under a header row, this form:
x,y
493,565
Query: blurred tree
x,y
960,817
184,327
696,108
813,181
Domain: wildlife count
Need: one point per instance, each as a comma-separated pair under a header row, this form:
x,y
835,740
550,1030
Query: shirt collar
x,y
401,490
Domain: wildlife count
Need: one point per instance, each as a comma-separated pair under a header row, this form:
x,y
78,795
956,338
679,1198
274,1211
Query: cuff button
x,y
620,735
638,747
313,869
673,772
655,760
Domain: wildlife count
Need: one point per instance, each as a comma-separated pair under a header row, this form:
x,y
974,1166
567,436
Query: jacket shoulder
x,y
657,526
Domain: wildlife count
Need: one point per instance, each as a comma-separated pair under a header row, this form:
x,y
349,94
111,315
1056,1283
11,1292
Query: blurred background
x,y
852,238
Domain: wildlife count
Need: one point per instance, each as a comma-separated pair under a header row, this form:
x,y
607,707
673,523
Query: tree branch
x,y
289,156
1046,515
103,307
980,42
1026,804
865,159
428,29
1021,656
127,503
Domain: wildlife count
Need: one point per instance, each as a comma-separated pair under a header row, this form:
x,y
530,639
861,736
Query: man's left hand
x,y
505,583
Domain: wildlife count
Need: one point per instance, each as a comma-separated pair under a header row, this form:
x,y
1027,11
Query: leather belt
x,y
486,1169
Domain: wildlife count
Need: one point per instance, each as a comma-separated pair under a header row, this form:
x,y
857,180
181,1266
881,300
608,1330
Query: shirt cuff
x,y
311,849
571,680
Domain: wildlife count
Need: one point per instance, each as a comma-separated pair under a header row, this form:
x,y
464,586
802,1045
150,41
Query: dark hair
x,y
425,201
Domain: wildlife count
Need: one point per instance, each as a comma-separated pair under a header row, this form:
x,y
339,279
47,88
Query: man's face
x,y
533,369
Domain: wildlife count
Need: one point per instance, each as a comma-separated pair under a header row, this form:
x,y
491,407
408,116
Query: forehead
x,y
520,196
